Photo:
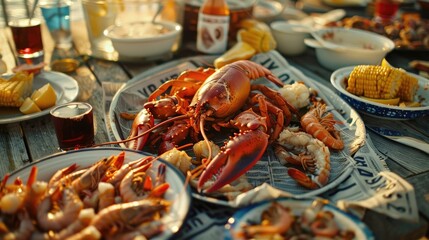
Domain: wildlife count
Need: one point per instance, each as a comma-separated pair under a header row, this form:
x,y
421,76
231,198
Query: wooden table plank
x,y
385,227
40,137
12,148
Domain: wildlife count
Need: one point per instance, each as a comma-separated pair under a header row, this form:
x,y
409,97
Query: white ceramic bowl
x,y
143,39
268,10
349,47
379,110
290,37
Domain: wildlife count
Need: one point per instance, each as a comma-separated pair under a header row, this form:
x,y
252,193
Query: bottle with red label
x,y
213,26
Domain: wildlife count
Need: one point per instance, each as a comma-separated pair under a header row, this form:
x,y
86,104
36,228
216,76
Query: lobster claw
x,y
143,122
238,155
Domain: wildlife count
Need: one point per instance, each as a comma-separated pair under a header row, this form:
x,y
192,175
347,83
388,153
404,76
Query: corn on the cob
x,y
375,81
13,91
257,34
408,88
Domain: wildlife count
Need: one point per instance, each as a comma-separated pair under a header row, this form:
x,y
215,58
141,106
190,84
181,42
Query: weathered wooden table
x,y
27,141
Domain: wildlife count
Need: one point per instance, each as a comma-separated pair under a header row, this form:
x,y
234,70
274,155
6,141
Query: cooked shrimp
x,y
277,219
137,184
106,195
14,196
324,225
127,216
312,154
54,181
145,231
320,125
50,220
88,233
84,219
117,176
25,229
92,176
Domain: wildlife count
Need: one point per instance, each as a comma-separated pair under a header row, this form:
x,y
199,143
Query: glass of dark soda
x,y
27,36
74,125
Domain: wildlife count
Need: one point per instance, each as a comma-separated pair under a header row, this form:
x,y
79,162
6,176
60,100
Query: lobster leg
x,y
175,134
277,99
143,122
238,155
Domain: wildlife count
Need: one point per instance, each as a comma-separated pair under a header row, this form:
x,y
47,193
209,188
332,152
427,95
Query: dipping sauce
x,y
138,30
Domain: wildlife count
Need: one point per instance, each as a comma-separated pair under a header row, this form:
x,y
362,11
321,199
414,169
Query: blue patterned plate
x,y
338,80
177,194
252,214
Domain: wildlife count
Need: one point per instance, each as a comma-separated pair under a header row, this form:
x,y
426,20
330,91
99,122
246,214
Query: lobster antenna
x,y
206,140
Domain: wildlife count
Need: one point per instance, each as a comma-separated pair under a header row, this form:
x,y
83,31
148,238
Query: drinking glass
x,y
385,10
57,18
98,16
74,125
27,38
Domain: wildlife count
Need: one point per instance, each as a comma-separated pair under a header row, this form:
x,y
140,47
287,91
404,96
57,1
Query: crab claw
x,y
143,122
238,155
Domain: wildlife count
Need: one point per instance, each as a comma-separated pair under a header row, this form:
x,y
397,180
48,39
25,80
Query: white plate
x,y
179,196
253,213
65,87
378,109
133,95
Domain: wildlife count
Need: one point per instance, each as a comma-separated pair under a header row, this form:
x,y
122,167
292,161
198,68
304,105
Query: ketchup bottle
x,y
213,26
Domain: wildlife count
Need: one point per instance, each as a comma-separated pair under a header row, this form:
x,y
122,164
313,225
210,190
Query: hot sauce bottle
x,y
213,26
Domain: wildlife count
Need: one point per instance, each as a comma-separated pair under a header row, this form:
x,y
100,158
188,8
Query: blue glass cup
x,y
57,18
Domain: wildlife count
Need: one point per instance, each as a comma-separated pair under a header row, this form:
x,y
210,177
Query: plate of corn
x,y
383,91
16,88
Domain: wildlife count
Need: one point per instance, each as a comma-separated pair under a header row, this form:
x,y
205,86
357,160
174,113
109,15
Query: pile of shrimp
x,y
279,222
108,200
308,144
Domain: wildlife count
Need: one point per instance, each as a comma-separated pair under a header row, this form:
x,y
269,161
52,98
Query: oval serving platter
x,y
133,95
177,193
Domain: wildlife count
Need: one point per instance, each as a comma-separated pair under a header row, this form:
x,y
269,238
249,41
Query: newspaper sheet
x,y
360,180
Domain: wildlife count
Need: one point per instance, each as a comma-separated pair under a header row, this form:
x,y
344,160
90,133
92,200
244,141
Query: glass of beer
x,y
74,125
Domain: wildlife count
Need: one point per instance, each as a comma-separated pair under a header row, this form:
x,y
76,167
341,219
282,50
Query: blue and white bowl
x,y
252,214
338,80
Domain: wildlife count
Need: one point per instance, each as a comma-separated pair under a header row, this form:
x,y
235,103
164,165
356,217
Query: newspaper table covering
x,y
358,182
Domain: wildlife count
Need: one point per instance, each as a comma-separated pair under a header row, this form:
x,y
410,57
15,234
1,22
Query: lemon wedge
x,y
44,97
240,51
392,101
28,106
385,63
410,104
